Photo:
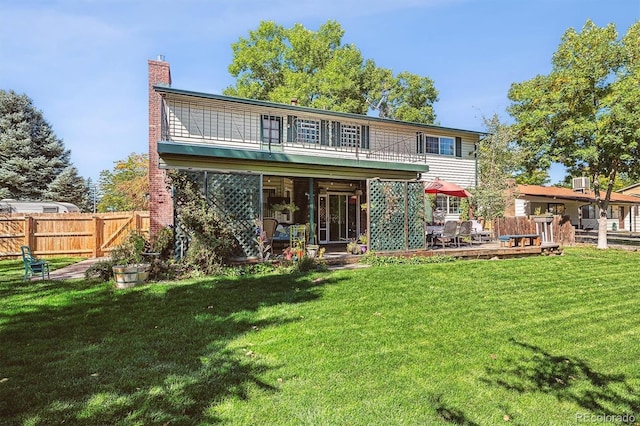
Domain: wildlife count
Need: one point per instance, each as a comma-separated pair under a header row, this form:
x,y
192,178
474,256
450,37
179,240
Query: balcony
x,y
246,126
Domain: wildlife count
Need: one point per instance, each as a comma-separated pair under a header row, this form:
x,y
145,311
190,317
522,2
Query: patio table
x,y
433,232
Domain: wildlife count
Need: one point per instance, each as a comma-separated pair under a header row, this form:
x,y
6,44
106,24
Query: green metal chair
x,y
33,266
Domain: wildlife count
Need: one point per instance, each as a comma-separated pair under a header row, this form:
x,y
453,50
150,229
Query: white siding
x,y
521,207
452,169
232,124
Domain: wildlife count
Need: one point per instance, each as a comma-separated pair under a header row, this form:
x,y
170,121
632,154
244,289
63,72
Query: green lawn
x,y
11,270
533,341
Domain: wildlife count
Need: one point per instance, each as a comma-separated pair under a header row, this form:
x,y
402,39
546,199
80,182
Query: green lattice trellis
x,y
416,214
236,197
396,215
236,200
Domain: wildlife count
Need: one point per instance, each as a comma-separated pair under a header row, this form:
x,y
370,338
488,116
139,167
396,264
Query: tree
x,y
407,97
585,113
94,195
499,159
31,156
69,187
278,64
127,186
535,176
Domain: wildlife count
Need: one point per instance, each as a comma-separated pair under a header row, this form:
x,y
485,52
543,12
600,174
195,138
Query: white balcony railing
x,y
238,126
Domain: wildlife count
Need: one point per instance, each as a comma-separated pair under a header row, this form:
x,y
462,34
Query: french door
x,y
338,217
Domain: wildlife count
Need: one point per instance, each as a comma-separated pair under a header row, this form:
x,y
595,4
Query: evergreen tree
x,y
31,156
70,188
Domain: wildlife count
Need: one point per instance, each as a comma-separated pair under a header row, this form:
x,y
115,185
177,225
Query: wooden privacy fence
x,y
563,230
68,234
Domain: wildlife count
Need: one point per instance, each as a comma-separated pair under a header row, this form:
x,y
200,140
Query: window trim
x,y
449,204
266,136
425,143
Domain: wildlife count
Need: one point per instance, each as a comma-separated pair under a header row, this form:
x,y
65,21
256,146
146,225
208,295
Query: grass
x,y
11,270
533,341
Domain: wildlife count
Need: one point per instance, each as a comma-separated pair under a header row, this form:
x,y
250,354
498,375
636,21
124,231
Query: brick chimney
x,y
160,202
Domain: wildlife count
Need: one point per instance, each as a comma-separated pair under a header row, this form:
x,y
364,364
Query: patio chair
x,y
33,266
449,233
465,232
269,226
478,232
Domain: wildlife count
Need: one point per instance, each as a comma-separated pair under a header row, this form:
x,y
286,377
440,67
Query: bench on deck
x,y
520,240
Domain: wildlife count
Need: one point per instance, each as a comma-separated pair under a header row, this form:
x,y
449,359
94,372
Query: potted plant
x,y
287,253
285,207
538,217
353,247
293,253
362,241
312,250
128,266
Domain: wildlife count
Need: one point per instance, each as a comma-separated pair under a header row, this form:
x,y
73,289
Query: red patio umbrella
x,y
447,188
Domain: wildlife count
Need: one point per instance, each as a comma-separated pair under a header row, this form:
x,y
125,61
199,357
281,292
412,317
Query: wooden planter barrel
x,y
129,275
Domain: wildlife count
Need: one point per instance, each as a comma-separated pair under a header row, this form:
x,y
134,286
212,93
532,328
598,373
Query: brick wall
x,y
160,203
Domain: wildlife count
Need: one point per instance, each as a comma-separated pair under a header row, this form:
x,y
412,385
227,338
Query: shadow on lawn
x,y
149,355
450,414
567,378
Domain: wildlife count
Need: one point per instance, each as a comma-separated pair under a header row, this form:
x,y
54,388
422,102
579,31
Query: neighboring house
x,y
631,190
255,156
579,204
14,206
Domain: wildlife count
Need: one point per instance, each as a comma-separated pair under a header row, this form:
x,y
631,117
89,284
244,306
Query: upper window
x,y
349,135
440,145
447,146
307,131
271,129
432,145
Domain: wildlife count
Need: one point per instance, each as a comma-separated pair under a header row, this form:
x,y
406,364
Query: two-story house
x,y
257,156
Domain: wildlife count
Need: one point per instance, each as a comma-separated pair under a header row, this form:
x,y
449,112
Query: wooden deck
x,y
336,254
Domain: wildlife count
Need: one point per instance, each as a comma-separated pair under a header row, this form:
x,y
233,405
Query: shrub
x,y
100,270
373,259
164,243
131,249
210,239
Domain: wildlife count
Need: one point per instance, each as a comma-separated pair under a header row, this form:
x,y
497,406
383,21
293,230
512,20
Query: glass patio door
x,y
337,217
323,231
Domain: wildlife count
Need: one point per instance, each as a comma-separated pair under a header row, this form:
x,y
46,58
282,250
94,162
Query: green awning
x,y
203,157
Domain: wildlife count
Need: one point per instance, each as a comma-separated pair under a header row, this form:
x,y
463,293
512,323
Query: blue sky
x,y
84,62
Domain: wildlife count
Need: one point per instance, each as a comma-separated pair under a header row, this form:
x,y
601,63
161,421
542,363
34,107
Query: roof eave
x,y
267,104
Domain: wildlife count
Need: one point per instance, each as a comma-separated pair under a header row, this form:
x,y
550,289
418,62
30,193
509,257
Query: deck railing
x,y
236,126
